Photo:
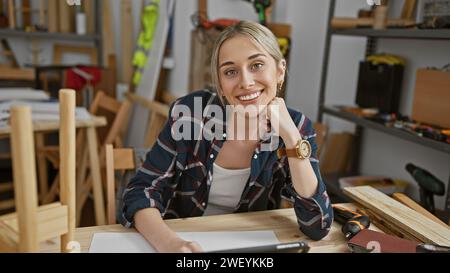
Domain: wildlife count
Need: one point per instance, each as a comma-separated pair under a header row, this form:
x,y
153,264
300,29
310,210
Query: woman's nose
x,y
246,80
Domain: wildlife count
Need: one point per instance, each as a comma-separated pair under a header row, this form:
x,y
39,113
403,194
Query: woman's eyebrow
x,y
254,56
226,63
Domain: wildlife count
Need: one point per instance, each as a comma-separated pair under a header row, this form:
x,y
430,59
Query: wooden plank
x,y
154,126
345,22
42,9
52,13
124,159
387,227
110,185
25,182
6,186
202,6
154,106
25,74
408,9
405,200
89,9
65,20
26,13
11,14
67,166
52,221
7,204
336,153
107,32
108,103
96,176
126,41
42,165
405,218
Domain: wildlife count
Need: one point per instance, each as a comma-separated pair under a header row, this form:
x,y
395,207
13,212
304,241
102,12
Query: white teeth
x,y
250,97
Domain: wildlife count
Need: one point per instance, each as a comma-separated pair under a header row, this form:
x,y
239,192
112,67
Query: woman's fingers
x,y
194,247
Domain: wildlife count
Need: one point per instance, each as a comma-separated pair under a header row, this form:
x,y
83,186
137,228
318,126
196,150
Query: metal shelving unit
x,y
366,123
93,38
430,34
11,33
372,35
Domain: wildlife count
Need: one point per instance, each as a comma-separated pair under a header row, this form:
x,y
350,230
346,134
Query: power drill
x,y
352,222
261,6
429,185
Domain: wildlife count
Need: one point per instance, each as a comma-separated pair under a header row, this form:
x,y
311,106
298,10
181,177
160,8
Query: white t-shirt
x,y
226,190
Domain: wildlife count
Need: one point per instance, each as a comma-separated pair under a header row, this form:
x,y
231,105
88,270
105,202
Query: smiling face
x,y
248,74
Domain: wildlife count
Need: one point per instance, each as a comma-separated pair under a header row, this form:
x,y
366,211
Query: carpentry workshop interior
x,y
92,92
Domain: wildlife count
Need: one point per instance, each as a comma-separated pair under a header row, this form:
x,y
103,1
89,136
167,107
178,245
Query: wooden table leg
x,y
42,166
96,176
81,176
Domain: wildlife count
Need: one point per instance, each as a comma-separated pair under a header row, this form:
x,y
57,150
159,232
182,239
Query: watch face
x,y
305,149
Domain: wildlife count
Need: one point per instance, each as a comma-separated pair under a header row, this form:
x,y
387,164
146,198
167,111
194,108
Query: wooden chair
x,y
122,159
159,113
118,115
22,231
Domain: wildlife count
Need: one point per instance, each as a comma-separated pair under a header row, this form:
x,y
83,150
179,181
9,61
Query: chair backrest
x,y
116,159
119,113
30,217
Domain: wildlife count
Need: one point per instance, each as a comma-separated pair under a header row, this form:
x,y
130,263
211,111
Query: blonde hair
x,y
257,33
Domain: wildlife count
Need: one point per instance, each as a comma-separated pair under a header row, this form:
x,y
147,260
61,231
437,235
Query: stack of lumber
x,y
397,219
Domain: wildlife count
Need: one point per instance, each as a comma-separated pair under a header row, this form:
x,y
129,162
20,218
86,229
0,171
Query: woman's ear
x,y
281,70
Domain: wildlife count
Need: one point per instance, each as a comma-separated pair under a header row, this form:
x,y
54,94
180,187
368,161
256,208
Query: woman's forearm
x,y
303,177
151,225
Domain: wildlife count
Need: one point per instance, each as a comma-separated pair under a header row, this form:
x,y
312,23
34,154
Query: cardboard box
x,y
432,97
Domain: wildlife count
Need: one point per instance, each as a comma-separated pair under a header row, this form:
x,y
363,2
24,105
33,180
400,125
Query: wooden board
x,y
408,9
11,14
26,13
53,15
395,212
126,41
148,85
107,32
405,200
89,9
42,12
65,19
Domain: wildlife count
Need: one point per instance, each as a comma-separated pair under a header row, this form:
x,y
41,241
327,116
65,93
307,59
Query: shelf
x,y
8,33
432,34
366,123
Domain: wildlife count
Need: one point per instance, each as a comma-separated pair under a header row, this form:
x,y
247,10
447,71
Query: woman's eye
x,y
230,72
257,66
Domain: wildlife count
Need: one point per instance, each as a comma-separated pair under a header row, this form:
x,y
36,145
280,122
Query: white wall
x,y
381,154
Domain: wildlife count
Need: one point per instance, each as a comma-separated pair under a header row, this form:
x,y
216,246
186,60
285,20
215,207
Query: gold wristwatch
x,y
302,150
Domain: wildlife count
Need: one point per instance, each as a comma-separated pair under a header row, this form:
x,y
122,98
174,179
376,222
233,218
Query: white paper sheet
x,y
41,111
133,242
22,94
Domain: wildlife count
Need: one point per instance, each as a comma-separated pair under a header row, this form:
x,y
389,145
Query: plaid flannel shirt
x,y
176,175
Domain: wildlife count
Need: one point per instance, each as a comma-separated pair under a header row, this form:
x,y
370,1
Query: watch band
x,y
295,152
287,152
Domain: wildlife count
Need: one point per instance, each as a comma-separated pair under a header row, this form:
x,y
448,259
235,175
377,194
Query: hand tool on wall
x,y
429,186
352,222
261,6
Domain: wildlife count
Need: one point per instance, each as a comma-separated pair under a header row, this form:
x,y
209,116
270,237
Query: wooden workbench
x,y
283,222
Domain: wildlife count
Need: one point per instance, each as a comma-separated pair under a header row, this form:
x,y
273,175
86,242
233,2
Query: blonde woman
x,y
206,161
